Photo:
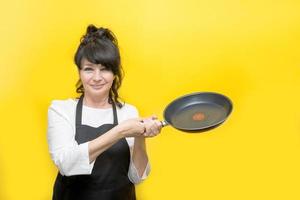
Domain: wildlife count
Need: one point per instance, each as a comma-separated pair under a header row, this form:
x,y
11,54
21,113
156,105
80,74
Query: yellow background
x,y
247,50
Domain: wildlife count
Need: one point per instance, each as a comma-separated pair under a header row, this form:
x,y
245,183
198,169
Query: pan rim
x,y
194,94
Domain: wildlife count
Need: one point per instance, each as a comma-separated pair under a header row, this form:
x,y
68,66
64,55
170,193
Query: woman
x,y
97,142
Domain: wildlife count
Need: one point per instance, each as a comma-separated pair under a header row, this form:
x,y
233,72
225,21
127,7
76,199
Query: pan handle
x,y
164,123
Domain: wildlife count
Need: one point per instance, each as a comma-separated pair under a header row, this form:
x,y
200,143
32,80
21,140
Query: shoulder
x,y
64,104
64,107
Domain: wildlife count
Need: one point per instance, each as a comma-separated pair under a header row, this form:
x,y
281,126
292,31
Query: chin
x,y
98,92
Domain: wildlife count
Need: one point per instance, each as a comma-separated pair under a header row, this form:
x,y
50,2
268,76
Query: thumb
x,y
140,119
153,117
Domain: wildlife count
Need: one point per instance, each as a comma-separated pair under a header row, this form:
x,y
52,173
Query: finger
x,y
147,129
149,132
153,117
158,123
151,127
149,135
146,119
156,127
142,127
140,119
155,131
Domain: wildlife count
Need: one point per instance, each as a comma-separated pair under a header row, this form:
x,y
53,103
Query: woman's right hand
x,y
132,128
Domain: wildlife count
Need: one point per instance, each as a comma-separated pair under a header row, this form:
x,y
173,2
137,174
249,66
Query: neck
x,y
96,102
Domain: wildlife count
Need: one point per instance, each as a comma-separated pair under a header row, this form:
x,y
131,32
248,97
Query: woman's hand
x,y
152,126
140,127
132,128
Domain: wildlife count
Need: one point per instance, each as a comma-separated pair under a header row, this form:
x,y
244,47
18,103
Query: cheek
x,y
110,78
84,78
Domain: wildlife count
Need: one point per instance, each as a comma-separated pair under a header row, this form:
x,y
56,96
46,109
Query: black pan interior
x,y
198,111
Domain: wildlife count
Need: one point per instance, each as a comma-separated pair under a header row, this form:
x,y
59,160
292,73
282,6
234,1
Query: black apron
x,y
109,179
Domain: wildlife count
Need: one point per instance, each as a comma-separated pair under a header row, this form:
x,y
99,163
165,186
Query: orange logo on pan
x,y
199,116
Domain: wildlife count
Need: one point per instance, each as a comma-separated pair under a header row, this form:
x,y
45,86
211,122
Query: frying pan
x,y
197,112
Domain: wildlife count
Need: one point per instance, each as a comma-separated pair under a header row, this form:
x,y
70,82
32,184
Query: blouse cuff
x,y
134,174
85,164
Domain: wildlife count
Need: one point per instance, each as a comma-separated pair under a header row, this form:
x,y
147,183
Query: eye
x,y
103,69
88,69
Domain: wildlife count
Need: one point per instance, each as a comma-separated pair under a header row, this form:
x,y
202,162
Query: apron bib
x,y
109,179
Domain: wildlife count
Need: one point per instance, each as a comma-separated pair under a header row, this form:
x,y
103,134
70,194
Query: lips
x,y
97,86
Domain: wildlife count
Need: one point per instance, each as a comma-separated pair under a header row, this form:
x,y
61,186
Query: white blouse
x,y
71,158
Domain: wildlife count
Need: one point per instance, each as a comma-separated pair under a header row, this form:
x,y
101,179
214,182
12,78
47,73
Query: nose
x,y
97,76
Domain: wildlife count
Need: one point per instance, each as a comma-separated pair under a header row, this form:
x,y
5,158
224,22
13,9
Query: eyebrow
x,y
93,65
89,64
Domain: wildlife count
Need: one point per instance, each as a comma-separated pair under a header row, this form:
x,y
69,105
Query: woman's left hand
x,y
152,126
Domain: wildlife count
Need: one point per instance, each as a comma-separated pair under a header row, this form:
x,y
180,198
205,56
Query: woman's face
x,y
95,78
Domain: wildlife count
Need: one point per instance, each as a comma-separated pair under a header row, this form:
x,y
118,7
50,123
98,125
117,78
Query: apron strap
x,y
79,111
115,113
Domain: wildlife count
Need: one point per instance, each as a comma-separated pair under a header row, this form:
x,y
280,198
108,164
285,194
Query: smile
x,y
97,86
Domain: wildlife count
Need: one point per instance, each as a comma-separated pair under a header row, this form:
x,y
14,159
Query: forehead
x,y
85,62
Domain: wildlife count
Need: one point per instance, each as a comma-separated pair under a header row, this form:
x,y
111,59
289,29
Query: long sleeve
x,y
68,156
133,174
71,158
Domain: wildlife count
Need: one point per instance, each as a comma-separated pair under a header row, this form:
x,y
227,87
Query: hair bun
x,y
98,33
91,29
93,34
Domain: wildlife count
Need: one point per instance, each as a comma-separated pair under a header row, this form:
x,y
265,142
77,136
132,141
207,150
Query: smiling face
x,y
96,79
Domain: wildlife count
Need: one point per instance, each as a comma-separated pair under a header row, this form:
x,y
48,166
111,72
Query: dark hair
x,y
100,46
